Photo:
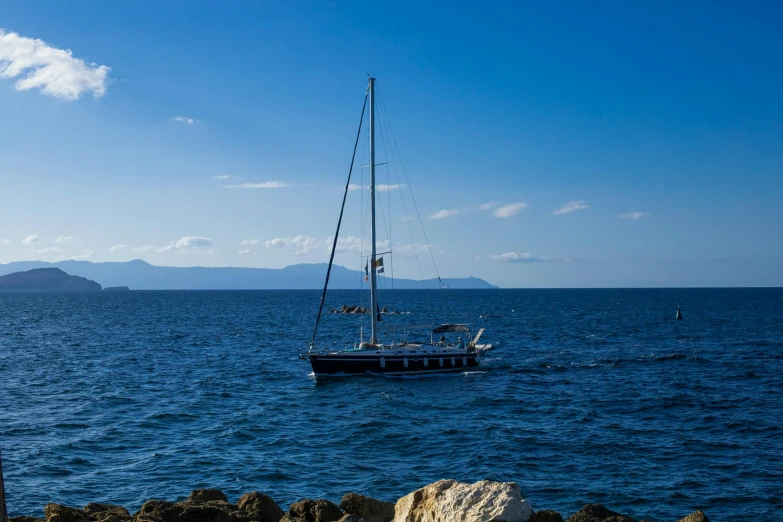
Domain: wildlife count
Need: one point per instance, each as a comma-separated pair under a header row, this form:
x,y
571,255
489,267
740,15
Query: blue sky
x,y
573,144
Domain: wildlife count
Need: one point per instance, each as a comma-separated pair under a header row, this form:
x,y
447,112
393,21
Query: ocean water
x,y
588,396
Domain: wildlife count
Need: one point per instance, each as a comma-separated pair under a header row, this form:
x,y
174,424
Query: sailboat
x,y
446,348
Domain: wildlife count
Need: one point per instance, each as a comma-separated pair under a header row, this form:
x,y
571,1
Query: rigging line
x,y
389,157
402,163
339,221
402,197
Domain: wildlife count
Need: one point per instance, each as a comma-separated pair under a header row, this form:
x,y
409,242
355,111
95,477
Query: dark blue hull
x,y
346,363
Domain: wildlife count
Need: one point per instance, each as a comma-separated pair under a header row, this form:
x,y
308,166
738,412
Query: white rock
x,y
452,501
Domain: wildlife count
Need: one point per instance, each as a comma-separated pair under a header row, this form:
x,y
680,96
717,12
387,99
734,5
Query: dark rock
x,y
287,518
46,280
315,511
352,518
25,518
696,516
205,513
368,508
260,507
205,495
598,513
101,511
159,511
546,515
384,310
59,513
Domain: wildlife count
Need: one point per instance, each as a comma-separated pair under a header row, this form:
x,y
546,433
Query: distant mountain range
x,y
140,275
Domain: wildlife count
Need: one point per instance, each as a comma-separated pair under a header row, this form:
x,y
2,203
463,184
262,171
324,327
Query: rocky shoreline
x,y
442,501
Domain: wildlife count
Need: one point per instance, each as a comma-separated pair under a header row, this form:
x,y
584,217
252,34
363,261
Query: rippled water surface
x,y
588,396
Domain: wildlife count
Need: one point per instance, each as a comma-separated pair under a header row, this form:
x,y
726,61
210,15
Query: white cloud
x,y
185,119
516,257
63,239
245,252
571,206
510,209
145,248
222,176
354,186
55,71
264,185
440,214
86,255
247,242
386,188
4,241
117,248
487,206
29,240
188,242
633,215
301,244
52,250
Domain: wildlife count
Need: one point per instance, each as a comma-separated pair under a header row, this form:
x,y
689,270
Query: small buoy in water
x,y
679,314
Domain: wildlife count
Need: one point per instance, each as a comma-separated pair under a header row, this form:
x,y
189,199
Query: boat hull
x,y
342,363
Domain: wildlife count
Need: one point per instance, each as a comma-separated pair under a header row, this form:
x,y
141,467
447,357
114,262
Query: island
x,y
116,289
46,280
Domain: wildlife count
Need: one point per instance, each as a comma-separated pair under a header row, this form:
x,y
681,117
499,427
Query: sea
x,y
587,396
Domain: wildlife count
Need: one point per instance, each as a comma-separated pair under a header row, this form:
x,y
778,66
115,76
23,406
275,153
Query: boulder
x,y
547,515
205,495
159,511
598,513
25,518
368,508
205,513
260,507
315,511
102,511
59,513
351,518
696,516
452,501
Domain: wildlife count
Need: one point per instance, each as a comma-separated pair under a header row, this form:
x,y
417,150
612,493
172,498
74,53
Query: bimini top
x,y
450,328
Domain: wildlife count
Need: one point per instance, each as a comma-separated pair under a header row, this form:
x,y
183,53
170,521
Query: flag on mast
x,y
380,271
366,271
378,262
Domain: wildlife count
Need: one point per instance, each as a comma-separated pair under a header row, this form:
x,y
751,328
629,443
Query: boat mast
x,y
373,285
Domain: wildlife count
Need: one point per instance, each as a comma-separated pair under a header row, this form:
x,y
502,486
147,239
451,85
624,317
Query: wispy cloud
x,y
387,188
379,187
571,206
117,248
4,241
85,255
516,257
54,71
301,244
185,119
187,242
440,214
510,209
487,206
248,242
29,240
245,252
63,239
222,176
50,250
264,185
633,215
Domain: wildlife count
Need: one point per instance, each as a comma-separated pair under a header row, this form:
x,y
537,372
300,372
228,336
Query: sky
x,y
562,144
